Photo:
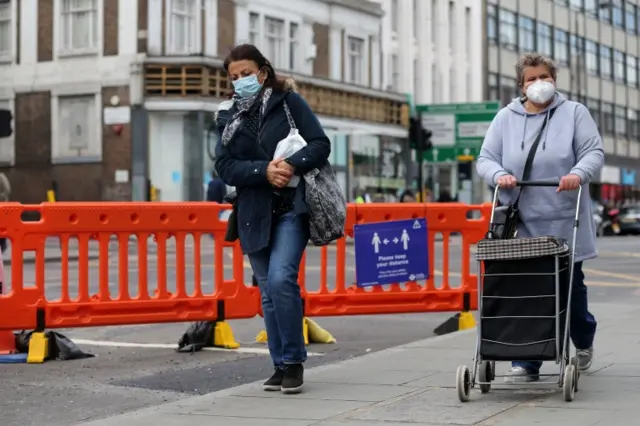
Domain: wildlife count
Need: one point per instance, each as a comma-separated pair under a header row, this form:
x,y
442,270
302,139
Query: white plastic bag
x,y
289,146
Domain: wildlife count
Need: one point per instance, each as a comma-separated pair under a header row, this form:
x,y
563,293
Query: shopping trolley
x,y
524,294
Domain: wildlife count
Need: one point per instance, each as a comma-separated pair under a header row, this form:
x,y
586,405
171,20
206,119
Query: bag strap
x,y
532,153
287,112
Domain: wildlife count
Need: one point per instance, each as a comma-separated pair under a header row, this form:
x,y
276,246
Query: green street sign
x,y
448,154
458,129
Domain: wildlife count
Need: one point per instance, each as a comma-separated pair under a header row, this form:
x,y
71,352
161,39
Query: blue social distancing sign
x,y
391,252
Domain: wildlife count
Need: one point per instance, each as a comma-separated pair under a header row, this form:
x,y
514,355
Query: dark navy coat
x,y
237,167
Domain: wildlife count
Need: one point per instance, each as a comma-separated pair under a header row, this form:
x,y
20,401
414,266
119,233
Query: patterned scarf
x,y
244,106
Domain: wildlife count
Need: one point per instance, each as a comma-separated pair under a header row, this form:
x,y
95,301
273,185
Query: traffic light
x,y
5,123
419,137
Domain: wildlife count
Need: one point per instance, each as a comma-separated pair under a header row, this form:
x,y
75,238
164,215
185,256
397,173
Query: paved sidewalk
x,y
415,384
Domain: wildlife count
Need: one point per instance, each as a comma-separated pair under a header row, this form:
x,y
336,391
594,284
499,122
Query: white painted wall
x,y
438,45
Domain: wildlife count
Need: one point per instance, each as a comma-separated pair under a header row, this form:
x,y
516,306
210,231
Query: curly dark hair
x,y
252,53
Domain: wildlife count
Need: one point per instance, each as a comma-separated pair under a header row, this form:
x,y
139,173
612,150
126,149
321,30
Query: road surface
x,y
147,371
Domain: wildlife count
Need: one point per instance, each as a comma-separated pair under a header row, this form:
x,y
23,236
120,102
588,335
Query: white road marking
x,y
257,351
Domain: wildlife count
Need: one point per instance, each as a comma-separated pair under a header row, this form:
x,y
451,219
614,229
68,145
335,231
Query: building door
x,y
166,155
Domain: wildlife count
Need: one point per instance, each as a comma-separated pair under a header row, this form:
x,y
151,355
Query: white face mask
x,y
540,91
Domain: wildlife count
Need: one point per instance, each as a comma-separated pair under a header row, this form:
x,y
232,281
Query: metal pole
x,y
578,69
420,154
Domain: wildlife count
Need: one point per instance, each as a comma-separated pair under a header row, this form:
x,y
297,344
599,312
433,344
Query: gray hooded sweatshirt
x,y
570,144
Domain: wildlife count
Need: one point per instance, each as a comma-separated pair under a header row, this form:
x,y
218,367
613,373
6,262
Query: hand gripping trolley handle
x,y
524,294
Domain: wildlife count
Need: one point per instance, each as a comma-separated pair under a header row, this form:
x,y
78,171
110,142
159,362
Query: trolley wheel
x,y
569,382
574,362
463,383
493,370
485,376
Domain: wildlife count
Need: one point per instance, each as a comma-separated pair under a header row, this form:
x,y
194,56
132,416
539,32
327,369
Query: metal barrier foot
x,y
466,321
223,336
305,331
458,322
311,331
38,348
262,336
318,334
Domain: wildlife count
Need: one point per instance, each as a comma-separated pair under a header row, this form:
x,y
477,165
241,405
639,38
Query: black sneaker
x,y
275,382
293,379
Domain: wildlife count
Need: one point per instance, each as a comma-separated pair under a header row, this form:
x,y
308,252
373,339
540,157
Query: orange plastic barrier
x,y
26,305
442,218
7,339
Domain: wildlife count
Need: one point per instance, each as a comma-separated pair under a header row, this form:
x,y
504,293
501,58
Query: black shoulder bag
x,y
509,228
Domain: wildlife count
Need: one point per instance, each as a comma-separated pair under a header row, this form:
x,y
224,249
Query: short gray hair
x,y
534,60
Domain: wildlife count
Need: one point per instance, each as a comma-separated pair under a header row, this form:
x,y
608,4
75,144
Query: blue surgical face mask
x,y
247,86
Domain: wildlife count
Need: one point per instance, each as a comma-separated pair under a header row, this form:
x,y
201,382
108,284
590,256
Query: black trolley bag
x,y
523,302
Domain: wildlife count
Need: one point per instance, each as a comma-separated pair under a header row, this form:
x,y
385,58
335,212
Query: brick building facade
x,y
162,58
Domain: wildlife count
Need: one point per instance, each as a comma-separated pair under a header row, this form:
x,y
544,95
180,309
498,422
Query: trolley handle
x,y
548,183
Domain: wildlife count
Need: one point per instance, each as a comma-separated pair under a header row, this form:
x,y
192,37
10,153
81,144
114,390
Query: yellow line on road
x,y
619,254
601,273
612,284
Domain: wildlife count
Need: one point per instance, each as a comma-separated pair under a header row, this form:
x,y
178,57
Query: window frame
x,y
631,18
595,109
633,130
61,152
618,15
620,120
507,94
605,59
195,31
492,84
526,33
502,23
279,55
619,66
60,30
591,8
547,37
347,58
294,43
592,49
257,19
632,64
493,27
608,118
605,14
576,5
561,46
8,56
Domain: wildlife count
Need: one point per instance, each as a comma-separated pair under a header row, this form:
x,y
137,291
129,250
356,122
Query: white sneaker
x,y
585,358
520,375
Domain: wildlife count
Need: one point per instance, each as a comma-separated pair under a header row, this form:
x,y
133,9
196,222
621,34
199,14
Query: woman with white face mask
x,y
571,151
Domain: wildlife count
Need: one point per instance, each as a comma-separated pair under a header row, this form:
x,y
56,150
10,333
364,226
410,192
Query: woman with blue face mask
x,y
272,217
570,150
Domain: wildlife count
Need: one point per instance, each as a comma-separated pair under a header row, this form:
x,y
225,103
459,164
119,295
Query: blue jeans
x,y
583,324
276,271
